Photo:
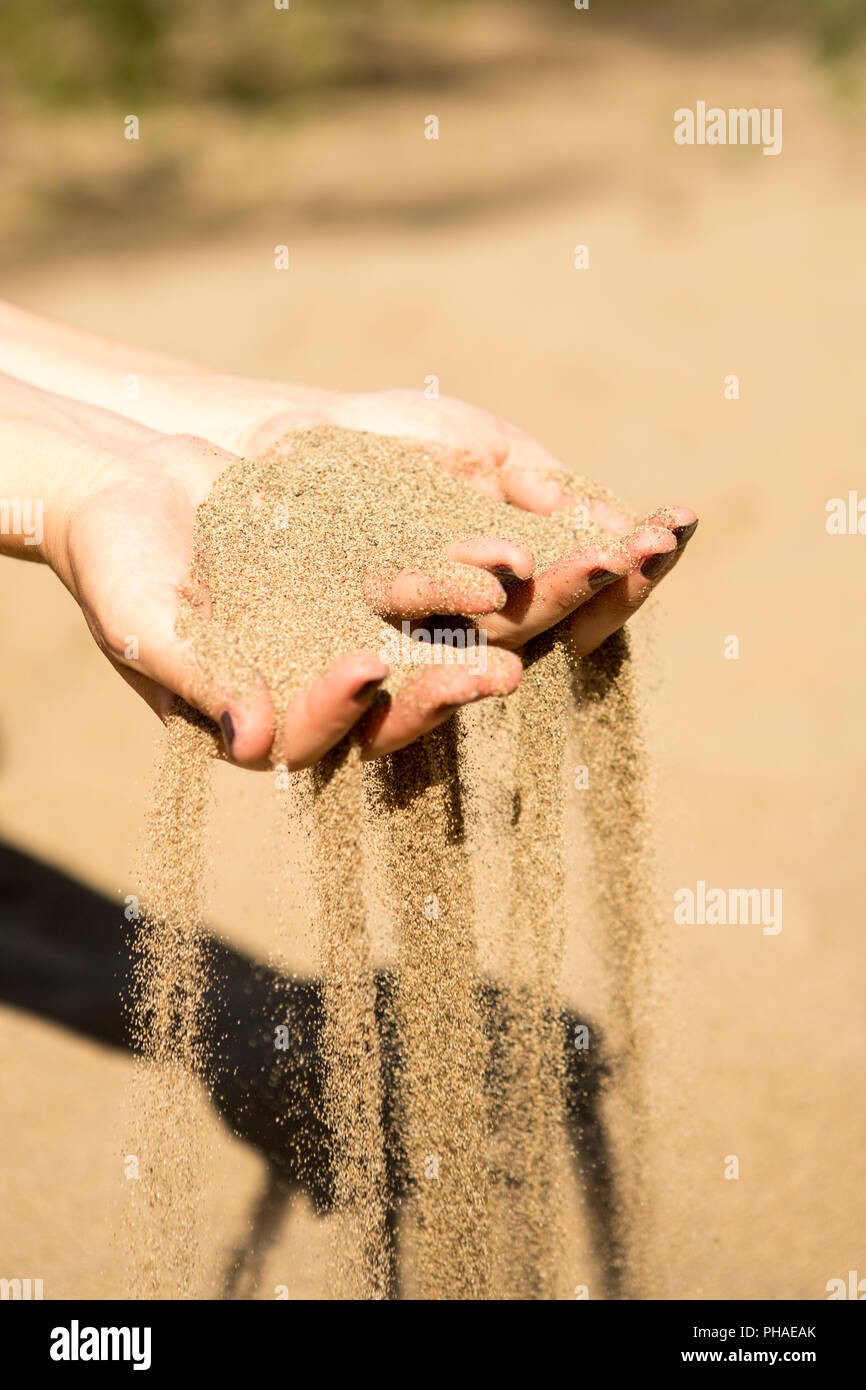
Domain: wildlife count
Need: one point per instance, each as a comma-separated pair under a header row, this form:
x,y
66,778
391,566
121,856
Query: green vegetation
x,y
242,51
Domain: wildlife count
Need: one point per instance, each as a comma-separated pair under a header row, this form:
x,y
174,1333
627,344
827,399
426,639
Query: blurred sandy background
x,y
412,257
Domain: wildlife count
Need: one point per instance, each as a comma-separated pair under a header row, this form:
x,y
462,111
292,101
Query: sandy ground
x,y
702,263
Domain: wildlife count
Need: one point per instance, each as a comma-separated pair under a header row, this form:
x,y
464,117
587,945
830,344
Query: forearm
x,y
162,392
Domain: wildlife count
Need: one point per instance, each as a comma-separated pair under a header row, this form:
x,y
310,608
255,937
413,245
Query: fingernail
x,y
685,533
367,689
599,579
655,565
506,576
228,728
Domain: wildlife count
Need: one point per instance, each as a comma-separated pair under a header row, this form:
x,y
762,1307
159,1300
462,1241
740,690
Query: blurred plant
x,y
832,26
127,50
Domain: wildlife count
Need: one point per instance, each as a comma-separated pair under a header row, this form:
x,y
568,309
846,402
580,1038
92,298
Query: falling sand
x,y
295,551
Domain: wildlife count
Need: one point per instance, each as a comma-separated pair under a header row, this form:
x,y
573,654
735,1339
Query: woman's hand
x,y
119,504
596,588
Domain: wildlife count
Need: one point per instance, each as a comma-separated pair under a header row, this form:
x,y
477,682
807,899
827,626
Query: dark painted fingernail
x,y
685,533
507,576
228,728
599,579
655,565
367,689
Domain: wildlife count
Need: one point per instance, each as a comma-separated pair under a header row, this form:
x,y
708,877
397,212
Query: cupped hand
x,y
594,589
125,555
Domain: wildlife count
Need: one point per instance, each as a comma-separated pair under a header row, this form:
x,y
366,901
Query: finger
x,y
160,699
431,697
680,521
654,552
611,517
455,588
608,514
319,717
682,524
533,478
508,561
564,586
164,702
144,642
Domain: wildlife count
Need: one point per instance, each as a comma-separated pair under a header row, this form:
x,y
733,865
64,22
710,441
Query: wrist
x,y
41,472
64,477
53,454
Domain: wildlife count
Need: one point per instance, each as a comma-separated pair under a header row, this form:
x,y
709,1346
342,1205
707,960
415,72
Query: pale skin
x,y
121,479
